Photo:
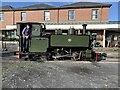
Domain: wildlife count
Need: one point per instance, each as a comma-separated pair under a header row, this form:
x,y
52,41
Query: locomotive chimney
x,y
84,28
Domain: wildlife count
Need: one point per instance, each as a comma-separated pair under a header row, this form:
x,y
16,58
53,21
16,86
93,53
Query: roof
x,y
6,8
48,7
85,5
35,7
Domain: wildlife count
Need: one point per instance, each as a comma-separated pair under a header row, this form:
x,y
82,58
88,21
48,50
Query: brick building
x,y
63,17
6,18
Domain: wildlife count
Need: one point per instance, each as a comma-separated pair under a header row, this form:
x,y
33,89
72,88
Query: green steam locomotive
x,y
58,46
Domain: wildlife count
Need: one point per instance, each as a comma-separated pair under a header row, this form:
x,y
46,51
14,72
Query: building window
x,y
23,16
47,15
95,14
1,17
71,14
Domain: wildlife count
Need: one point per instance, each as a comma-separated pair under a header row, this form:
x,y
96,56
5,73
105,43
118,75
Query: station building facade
x,y
95,15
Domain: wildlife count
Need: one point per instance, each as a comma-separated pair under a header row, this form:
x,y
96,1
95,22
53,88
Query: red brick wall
x,y
17,16
105,14
80,15
83,14
36,16
8,19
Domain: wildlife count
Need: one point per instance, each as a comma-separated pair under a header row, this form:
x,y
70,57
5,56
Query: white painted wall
x,y
93,26
11,27
89,26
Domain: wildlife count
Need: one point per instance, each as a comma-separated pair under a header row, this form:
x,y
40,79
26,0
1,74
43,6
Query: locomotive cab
x,y
37,28
38,31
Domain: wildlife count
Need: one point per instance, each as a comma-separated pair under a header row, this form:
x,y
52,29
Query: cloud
x,y
60,0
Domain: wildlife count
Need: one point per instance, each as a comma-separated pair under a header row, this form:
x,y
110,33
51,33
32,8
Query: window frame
x,y
45,18
69,15
95,14
23,19
1,16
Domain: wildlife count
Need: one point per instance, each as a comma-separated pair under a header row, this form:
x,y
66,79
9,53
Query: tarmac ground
x,y
59,74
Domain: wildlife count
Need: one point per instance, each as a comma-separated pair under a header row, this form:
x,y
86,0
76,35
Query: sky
x,y
113,11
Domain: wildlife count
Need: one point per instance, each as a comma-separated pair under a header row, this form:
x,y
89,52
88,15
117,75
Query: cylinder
x,y
84,28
